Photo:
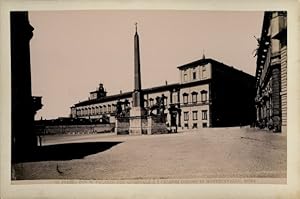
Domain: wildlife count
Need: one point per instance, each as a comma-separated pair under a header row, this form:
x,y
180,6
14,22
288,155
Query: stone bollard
x,y
116,126
149,129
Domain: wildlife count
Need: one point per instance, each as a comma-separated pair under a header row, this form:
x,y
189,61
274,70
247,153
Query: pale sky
x,y
73,51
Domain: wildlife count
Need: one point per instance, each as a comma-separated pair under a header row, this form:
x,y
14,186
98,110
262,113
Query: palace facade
x,y
271,73
209,94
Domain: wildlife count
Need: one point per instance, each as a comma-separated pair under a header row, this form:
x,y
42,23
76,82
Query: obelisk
x,y
137,109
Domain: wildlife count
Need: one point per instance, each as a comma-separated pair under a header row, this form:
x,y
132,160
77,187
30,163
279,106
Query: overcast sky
x,y
73,51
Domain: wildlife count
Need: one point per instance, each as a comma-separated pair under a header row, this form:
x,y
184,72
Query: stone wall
x,y
74,129
122,127
150,125
156,127
144,125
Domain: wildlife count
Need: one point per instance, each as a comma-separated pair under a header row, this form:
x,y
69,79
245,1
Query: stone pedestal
x,y
155,126
149,127
135,122
116,126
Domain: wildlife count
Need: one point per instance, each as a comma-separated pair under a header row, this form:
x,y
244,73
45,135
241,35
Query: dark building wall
x,y
232,96
271,73
276,99
23,138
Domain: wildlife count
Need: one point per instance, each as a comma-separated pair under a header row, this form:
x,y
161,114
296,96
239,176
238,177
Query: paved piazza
x,y
207,153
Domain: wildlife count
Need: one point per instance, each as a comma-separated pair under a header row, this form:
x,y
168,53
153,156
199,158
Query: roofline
x,y
263,35
209,60
103,99
233,68
126,94
160,88
201,61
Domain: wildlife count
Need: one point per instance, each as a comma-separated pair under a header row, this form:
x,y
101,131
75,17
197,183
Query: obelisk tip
x,y
135,26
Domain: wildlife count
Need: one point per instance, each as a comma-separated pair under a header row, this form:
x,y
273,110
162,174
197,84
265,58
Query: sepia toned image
x,y
149,96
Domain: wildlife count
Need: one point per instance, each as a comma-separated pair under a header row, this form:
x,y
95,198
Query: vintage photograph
x,y
149,96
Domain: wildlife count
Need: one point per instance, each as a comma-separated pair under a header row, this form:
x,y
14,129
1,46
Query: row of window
x,y
195,115
96,110
203,98
195,97
194,75
111,108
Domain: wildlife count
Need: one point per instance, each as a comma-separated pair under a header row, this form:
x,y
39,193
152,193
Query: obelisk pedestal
x,y
137,110
135,122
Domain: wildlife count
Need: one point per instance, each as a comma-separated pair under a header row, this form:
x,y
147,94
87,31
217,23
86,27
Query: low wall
x,y
122,127
150,125
74,129
144,126
155,126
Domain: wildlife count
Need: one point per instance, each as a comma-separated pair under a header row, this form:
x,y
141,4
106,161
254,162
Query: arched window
x,y
194,97
175,98
203,96
185,98
109,108
101,109
195,115
186,116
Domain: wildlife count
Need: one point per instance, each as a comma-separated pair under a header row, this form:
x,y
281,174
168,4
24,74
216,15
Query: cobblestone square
x,y
202,154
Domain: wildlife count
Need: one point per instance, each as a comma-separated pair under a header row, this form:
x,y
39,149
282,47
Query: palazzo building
x,y
271,73
209,94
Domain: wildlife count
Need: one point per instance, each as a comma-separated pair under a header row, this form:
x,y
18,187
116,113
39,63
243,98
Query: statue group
x,y
156,110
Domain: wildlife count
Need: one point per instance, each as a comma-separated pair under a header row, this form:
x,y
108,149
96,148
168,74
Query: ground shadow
x,y
67,151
